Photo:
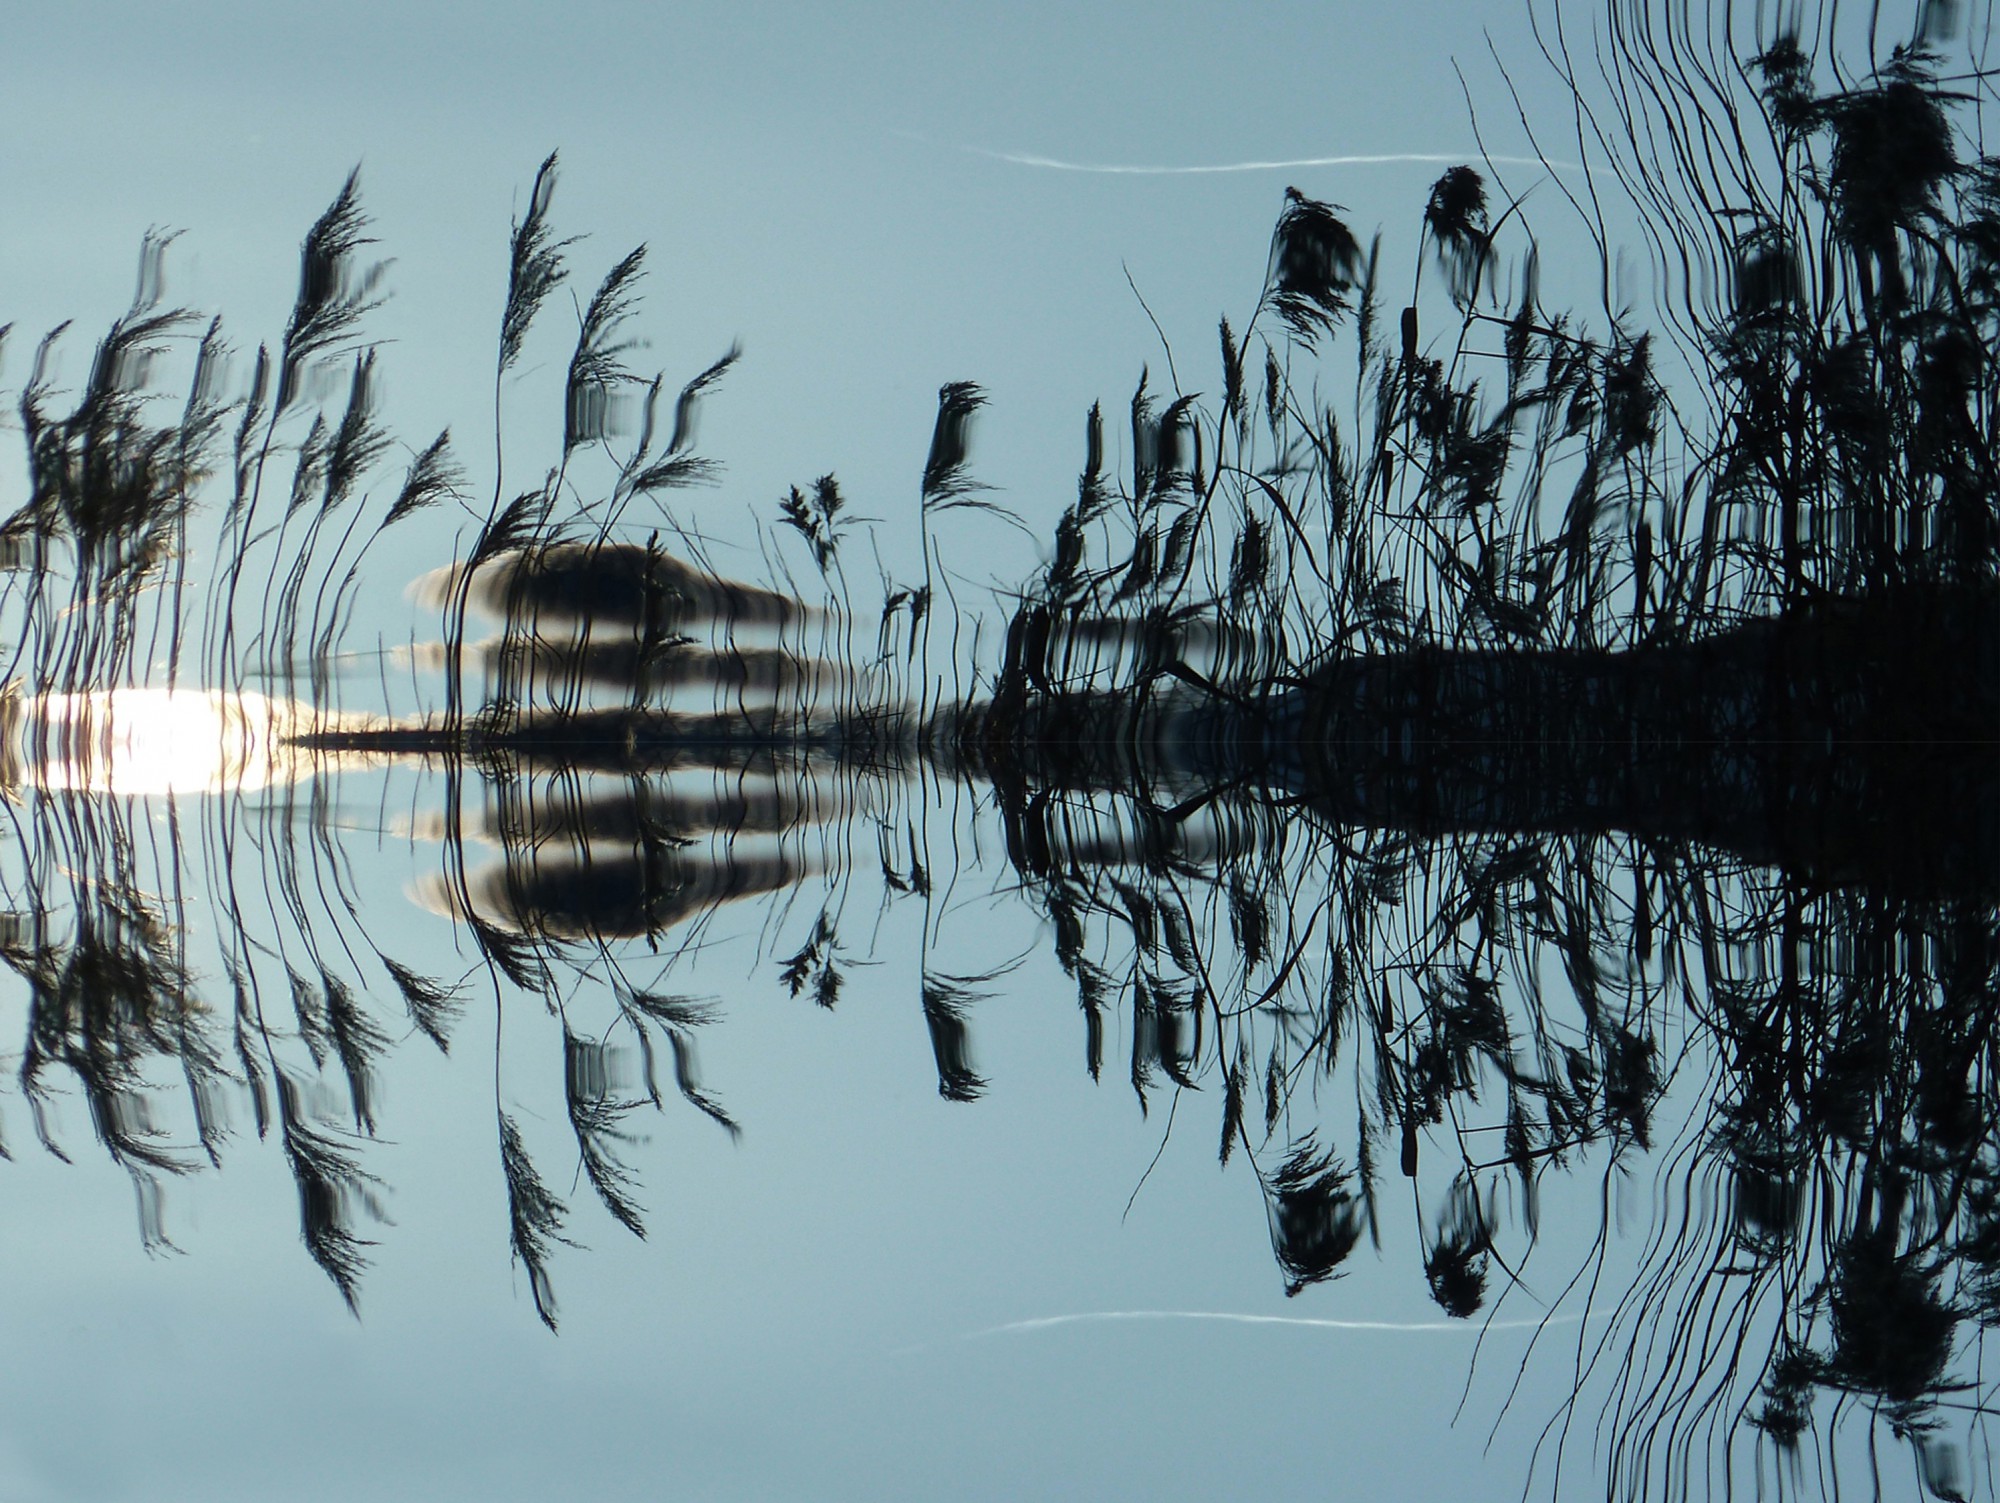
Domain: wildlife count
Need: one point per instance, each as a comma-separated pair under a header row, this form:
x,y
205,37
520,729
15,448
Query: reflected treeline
x,y
1527,763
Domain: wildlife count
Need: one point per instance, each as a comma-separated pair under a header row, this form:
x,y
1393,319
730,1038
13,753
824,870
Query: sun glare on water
x,y
151,741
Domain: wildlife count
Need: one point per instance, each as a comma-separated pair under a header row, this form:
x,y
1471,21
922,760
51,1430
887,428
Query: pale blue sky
x,y
809,178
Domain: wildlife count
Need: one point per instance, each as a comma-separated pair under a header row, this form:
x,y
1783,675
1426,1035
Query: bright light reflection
x,y
141,741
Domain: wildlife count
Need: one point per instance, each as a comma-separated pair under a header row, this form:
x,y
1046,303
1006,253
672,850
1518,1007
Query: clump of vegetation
x,y
1433,643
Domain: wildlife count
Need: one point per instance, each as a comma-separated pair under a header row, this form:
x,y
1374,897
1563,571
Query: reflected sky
x,y
865,1247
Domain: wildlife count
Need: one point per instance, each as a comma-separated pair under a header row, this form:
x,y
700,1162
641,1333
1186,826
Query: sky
x,y
829,186
870,200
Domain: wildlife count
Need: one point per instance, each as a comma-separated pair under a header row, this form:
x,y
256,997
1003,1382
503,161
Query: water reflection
x,y
1422,842
582,860
1361,1014
132,741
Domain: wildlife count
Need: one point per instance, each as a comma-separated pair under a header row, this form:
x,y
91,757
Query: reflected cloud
x,y
601,896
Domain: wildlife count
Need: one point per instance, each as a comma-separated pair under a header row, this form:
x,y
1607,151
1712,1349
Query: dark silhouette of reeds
x,y
1595,673
98,558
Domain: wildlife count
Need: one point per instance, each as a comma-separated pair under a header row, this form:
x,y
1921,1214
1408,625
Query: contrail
x,y
1436,159
1047,1322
